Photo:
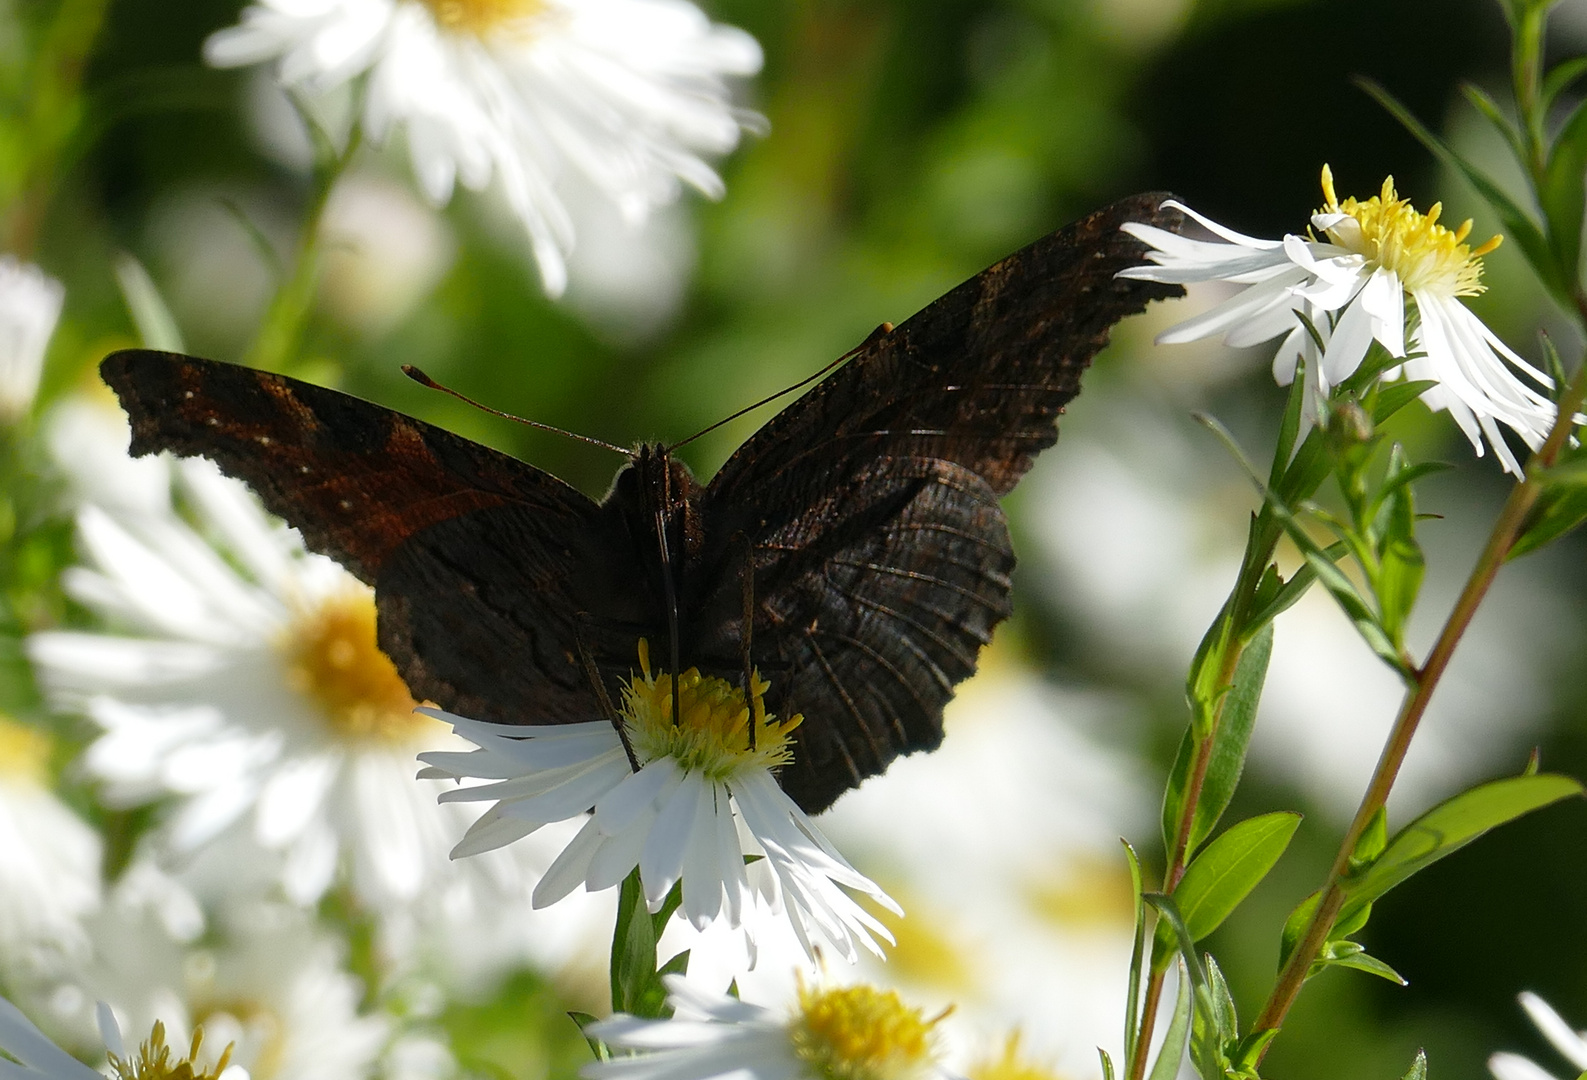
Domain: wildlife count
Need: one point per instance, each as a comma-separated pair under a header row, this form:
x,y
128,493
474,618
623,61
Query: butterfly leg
x,y
607,708
747,578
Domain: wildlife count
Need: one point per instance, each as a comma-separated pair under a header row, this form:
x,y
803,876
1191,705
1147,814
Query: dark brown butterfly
x,y
861,525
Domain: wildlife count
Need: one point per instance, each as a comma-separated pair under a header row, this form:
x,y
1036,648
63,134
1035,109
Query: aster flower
x,y
30,304
855,1032
245,684
49,862
37,1058
624,96
1571,1044
672,816
1353,286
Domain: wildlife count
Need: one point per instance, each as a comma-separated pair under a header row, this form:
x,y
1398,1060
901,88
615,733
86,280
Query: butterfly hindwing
x,y
882,557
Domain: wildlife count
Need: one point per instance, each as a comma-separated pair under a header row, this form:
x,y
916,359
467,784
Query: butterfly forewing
x,y
866,514
882,558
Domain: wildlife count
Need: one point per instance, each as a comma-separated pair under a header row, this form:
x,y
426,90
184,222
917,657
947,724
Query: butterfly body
x,y
861,524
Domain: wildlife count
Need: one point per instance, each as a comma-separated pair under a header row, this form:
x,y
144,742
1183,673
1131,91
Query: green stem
x,y
276,345
1526,64
1505,532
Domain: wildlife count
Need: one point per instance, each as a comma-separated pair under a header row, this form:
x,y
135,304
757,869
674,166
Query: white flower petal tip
x,y
674,819
1383,273
628,98
1571,1044
831,1031
30,306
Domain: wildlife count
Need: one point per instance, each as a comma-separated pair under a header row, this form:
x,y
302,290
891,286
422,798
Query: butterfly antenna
x,y
425,381
881,331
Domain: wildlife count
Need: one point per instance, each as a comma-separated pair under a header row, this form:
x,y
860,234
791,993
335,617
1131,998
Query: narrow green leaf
x,y
1565,188
1107,1064
1494,115
156,326
1224,1010
1250,1050
636,984
1560,77
1172,1054
1289,425
1374,838
1360,961
1514,220
1208,1060
1232,738
1223,875
1132,1005
1293,589
1418,1069
1561,505
584,1020
1295,927
1213,1025
678,965
1396,395
1453,824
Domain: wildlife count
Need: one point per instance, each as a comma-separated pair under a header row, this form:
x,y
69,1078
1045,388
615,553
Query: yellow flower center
x,y
332,658
713,737
1010,1066
861,1033
481,17
153,1060
24,753
253,1026
1414,246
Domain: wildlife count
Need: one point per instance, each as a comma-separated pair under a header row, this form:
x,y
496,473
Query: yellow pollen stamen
x,y
481,17
153,1060
332,658
1388,232
713,737
861,1033
24,753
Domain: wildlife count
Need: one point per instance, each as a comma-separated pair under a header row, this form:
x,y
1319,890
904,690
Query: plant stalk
x,y
1505,532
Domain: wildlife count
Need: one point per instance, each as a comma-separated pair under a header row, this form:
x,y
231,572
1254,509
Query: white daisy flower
x,y
1571,1044
625,96
49,863
245,684
857,1032
672,816
30,305
37,1058
1352,286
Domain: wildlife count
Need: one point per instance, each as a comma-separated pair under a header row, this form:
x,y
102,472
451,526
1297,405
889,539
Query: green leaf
x,y
1418,1069
1401,565
1514,220
1223,875
1396,395
1564,189
157,328
1172,1054
584,1020
636,984
1232,738
1561,505
1295,927
1293,589
1356,958
1132,1005
1374,838
1214,1025
1107,1064
1495,116
1289,426
1451,825
1562,75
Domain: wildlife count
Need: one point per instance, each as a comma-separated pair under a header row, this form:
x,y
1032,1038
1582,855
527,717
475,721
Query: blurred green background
x,y
912,143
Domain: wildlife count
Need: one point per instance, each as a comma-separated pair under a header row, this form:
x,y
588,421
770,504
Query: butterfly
x,y
853,549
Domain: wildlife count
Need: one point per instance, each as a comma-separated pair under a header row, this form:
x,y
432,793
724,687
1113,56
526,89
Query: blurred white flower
x,y
857,1032
1571,1044
384,252
87,436
626,96
37,1058
49,863
1352,287
30,305
266,982
668,810
246,683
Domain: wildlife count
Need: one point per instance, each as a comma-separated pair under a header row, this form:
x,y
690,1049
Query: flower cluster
x,y
1381,272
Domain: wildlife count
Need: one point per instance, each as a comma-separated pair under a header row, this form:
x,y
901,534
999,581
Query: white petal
x,y
1568,1042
